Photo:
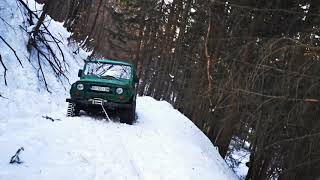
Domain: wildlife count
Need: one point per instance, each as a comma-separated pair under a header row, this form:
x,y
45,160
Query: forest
x,y
246,72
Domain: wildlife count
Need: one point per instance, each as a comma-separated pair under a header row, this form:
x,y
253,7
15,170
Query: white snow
x,y
168,1
242,157
238,156
163,144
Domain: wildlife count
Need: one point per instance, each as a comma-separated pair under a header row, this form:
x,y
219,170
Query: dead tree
x,y
40,42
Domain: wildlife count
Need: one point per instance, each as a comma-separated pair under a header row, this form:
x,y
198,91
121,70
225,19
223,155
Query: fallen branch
x,y
50,118
42,73
5,72
47,30
39,40
15,53
5,22
1,96
15,158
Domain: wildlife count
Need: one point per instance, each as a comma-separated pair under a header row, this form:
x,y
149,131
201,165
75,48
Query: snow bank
x,y
162,145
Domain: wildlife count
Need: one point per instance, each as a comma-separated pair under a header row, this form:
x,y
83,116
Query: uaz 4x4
x,y
105,84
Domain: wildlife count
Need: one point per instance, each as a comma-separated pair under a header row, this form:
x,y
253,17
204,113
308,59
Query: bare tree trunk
x,y
94,22
230,123
35,32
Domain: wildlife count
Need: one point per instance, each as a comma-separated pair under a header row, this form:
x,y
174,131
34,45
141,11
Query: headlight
x,y
80,87
119,90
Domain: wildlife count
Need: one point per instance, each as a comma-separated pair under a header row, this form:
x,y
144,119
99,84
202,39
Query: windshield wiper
x,y
105,70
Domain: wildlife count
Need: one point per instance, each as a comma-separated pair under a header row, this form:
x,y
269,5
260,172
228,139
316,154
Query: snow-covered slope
x,y
163,144
26,94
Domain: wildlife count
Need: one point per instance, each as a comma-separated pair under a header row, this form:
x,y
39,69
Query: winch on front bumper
x,y
98,102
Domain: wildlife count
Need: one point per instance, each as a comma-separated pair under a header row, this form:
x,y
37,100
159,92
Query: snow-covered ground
x,y
163,144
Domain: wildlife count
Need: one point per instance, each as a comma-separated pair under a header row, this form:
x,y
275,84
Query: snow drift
x,y
162,144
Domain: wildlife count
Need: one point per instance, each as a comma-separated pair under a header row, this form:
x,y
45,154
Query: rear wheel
x,y
128,115
73,110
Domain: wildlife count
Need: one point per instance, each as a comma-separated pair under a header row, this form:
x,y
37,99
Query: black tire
x,y
128,116
76,110
73,110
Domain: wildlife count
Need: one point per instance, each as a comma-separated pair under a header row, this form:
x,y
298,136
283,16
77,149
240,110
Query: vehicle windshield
x,y
107,71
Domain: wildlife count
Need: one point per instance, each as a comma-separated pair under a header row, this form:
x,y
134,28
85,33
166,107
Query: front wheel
x,y
128,115
73,110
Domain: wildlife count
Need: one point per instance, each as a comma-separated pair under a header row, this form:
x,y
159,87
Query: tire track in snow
x,y
132,162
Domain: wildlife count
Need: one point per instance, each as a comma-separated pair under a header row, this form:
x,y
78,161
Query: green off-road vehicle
x,y
105,85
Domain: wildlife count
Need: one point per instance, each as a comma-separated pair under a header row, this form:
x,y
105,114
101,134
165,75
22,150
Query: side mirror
x,y
80,72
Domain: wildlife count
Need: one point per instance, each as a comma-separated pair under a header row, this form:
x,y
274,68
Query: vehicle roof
x,y
111,61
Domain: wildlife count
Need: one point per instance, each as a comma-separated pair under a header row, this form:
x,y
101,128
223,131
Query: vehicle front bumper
x,y
98,102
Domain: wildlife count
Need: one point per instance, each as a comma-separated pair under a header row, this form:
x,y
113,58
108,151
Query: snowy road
x,y
162,145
